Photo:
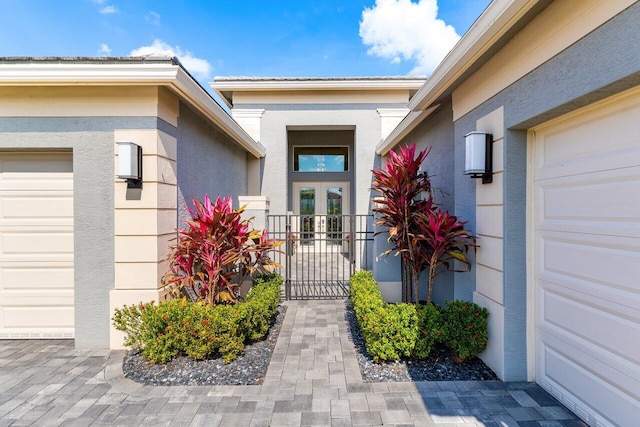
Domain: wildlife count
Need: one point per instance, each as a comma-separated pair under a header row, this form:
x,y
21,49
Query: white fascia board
x,y
146,74
312,84
497,19
409,123
284,85
196,95
58,74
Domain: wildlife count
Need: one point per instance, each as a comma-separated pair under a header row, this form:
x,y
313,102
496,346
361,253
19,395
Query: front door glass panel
x,y
320,208
307,213
334,215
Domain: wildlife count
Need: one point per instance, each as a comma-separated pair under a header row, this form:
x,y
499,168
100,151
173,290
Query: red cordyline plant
x,y
404,189
216,252
425,236
446,240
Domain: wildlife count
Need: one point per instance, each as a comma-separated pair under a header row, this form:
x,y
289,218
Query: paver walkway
x,y
313,379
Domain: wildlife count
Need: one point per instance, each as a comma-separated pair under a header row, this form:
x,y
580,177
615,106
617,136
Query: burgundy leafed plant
x,y
404,189
446,239
425,236
216,252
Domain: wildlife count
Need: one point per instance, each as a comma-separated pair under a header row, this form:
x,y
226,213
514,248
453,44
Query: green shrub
x,y
197,329
389,330
263,298
161,335
428,327
464,328
129,320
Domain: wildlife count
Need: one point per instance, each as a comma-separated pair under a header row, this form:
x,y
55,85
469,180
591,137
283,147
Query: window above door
x,y
320,159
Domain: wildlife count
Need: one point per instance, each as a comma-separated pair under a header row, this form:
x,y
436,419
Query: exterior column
x,y
256,207
145,219
390,118
250,120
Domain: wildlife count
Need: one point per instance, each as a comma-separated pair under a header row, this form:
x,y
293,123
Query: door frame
x,y
321,187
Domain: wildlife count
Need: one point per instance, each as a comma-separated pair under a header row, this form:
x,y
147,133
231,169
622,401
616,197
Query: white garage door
x,y
587,260
36,245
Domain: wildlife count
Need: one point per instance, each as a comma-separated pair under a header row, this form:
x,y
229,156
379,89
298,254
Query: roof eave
x,y
225,86
499,17
409,123
157,73
192,91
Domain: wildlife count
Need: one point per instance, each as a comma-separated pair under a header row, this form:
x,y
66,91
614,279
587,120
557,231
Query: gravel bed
x,y
440,366
249,368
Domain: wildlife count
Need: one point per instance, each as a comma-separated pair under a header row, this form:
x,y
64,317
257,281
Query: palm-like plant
x,y
405,190
216,252
446,241
423,235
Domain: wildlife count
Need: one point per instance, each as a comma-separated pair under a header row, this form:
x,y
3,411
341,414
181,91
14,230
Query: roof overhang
x,y
166,72
225,86
409,123
493,28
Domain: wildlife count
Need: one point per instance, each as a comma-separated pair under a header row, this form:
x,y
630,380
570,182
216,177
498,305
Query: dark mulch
x,y
440,366
248,369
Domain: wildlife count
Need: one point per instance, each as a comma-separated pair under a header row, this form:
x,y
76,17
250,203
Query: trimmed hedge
x,y
392,331
389,330
180,326
464,328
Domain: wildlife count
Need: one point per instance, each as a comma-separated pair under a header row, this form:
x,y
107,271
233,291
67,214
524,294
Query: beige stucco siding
x,y
556,28
145,219
322,97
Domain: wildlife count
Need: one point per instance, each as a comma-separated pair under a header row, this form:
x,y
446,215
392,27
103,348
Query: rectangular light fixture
x,y
478,161
129,161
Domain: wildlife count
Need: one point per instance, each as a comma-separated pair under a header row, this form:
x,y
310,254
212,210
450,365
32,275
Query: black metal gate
x,y
321,252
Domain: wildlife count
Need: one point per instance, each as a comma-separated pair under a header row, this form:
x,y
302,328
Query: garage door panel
x,y
34,321
591,389
619,301
49,277
36,245
25,209
587,258
604,141
607,331
597,203
47,245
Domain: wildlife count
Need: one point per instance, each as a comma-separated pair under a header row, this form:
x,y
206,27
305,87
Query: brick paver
x,y
313,380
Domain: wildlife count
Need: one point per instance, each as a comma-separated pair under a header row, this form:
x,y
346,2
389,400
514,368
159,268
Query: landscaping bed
x,y
249,368
182,342
407,342
439,366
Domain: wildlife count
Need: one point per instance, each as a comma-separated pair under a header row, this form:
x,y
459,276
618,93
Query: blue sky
x,y
246,37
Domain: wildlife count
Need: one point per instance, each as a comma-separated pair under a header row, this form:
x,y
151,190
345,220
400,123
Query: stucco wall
x,y
208,162
91,141
437,133
605,62
273,130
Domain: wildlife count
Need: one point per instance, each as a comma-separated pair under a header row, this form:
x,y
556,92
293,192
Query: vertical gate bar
x,y
288,260
352,255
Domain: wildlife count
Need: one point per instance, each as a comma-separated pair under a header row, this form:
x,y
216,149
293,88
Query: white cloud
x,y
201,68
153,17
401,30
109,10
104,50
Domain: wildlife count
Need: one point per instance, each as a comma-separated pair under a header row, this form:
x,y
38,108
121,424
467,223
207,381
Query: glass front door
x,y
321,206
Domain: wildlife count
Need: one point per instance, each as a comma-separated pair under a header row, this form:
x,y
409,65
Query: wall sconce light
x,y
130,164
478,160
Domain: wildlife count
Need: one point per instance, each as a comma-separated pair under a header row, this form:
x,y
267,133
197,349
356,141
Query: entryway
x,y
321,208
321,252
